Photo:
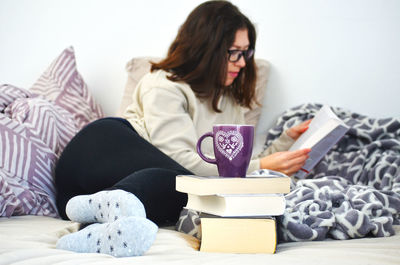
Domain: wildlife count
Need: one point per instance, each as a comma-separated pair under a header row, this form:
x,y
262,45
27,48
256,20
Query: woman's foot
x,y
128,236
104,206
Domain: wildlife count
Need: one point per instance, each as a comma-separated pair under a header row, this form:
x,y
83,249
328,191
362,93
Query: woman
x,y
206,78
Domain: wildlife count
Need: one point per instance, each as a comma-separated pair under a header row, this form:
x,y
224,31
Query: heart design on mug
x,y
229,143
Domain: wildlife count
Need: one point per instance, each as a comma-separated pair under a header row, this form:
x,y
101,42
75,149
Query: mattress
x,y
31,240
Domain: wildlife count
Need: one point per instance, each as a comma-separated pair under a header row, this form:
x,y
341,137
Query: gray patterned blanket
x,y
354,191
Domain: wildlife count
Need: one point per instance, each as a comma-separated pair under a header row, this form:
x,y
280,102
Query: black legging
x,y
109,154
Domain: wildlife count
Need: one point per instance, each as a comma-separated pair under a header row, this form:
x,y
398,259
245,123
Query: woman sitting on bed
x,y
129,165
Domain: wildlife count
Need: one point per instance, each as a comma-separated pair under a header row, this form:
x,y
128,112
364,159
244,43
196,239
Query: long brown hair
x,y
199,57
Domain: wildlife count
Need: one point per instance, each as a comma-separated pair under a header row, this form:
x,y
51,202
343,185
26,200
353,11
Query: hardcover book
x,y
200,185
238,235
231,205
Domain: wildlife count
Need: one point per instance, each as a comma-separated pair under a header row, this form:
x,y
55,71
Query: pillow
x,y
62,84
137,67
35,127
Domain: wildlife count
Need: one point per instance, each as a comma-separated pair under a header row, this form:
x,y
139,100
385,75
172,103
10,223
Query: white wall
x,y
341,52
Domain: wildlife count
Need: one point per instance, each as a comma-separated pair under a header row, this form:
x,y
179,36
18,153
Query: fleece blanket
x,y
353,192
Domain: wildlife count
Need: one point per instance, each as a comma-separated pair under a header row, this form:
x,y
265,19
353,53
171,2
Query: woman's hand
x,y
287,162
297,130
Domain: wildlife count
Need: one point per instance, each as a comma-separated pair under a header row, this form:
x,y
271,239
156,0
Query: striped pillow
x,y
35,126
62,84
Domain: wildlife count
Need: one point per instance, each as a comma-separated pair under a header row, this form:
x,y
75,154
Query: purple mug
x,y
233,147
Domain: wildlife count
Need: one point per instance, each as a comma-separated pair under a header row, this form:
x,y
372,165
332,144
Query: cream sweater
x,y
170,116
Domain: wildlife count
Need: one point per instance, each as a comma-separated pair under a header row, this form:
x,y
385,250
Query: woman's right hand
x,y
287,162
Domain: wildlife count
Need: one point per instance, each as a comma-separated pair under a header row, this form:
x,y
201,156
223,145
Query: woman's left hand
x,y
297,130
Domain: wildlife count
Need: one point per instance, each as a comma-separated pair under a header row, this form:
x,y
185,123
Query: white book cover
x,y
238,205
211,185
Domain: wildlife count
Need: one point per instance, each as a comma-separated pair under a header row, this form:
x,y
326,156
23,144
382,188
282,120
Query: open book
x,y
324,131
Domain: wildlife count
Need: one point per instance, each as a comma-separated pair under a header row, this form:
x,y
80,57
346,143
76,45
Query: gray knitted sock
x,y
104,206
128,236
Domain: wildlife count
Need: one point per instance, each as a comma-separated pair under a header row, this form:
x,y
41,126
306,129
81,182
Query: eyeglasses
x,y
235,55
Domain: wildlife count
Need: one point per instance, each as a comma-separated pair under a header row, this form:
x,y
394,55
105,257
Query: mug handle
x,y
209,160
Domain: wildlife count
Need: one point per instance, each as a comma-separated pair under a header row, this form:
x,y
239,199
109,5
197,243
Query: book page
x,y
323,122
314,136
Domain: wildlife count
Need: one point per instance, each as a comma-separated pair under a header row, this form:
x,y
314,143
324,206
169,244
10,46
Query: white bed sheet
x,y
31,240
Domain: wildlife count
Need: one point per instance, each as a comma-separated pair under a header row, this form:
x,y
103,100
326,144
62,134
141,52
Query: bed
x,y
30,227
31,240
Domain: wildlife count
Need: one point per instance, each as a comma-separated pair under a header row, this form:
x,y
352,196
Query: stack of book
x,y
237,214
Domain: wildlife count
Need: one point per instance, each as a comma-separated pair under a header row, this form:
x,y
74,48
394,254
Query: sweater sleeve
x,y
171,129
282,143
